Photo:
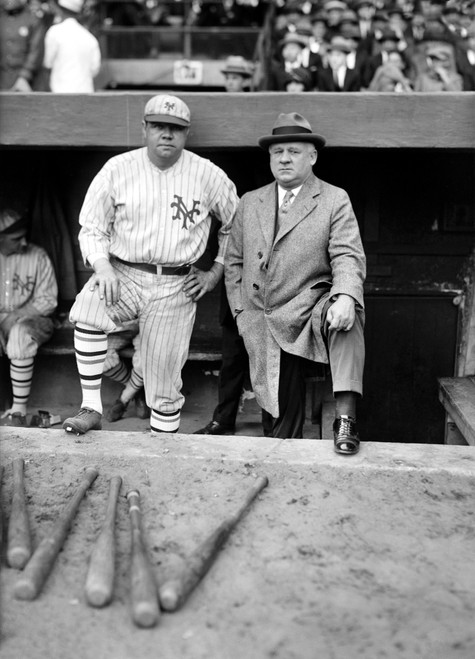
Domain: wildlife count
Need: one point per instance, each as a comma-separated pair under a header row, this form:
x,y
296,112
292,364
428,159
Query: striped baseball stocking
x,y
90,345
21,375
134,384
119,373
164,422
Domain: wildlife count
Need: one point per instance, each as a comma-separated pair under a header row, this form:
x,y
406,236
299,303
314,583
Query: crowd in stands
x,y
373,45
306,45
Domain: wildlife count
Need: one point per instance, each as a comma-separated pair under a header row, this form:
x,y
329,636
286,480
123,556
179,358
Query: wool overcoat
x,y
282,281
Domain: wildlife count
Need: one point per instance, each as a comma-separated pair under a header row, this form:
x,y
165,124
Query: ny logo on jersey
x,y
23,286
182,212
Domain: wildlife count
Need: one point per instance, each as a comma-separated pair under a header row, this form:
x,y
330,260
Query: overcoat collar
x,y
304,203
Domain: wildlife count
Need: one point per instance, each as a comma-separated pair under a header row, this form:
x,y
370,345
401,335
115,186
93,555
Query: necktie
x,y
284,207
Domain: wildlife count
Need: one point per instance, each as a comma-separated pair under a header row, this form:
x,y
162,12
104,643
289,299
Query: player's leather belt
x,y
157,269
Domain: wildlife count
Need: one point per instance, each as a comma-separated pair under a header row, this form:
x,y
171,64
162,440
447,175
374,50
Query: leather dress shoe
x,y
215,428
345,435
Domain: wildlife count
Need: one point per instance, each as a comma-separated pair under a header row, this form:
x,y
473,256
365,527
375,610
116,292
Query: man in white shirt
x,y
72,53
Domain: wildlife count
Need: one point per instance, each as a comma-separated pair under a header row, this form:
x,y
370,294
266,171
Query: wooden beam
x,y
457,395
220,120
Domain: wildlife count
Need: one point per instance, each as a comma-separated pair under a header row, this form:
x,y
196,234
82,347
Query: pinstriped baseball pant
x,y
27,335
166,317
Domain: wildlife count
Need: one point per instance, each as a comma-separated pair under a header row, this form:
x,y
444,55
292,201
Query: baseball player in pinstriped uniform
x,y
28,296
144,223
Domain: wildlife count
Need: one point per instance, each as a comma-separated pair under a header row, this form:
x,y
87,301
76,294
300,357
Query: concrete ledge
x,y
373,455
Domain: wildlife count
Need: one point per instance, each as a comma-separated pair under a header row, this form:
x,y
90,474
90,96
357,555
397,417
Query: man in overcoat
x,y
294,270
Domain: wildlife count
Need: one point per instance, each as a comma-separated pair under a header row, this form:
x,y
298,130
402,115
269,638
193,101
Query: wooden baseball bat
x,y
175,591
19,536
39,566
100,575
143,587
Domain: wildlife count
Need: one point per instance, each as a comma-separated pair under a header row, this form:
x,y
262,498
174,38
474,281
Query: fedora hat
x,y
293,37
291,127
341,44
237,64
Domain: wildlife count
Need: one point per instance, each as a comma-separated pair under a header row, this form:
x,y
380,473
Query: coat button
x,y
255,287
260,255
268,312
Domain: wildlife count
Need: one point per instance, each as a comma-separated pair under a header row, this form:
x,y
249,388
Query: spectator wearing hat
x,y
302,225
298,80
337,77
28,298
414,32
440,74
304,29
21,46
291,57
380,23
334,10
72,53
397,22
390,78
388,42
315,52
145,222
357,57
365,10
237,74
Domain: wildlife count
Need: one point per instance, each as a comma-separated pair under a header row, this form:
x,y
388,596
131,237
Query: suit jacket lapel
x,y
266,212
305,202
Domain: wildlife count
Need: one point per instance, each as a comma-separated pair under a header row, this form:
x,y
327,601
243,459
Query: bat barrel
x,y
143,588
40,564
19,537
175,591
99,585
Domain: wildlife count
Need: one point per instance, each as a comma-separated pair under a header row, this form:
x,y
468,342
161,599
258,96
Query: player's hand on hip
x,y
106,282
200,282
341,314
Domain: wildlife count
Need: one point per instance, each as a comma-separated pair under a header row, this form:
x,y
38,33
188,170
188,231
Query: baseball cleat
x,y
86,419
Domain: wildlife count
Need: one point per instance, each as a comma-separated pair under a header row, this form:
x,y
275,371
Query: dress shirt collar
x,y
281,194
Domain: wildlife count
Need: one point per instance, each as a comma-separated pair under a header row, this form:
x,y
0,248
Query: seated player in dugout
x,y
28,298
145,222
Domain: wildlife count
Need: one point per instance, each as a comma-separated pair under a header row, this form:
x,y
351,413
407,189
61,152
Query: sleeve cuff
x,y
95,256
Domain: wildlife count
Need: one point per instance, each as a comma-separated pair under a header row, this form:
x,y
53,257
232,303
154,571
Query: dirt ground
x,y
367,557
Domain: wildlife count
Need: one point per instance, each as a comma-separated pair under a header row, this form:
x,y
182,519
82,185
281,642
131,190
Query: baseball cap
x,y
168,110
11,221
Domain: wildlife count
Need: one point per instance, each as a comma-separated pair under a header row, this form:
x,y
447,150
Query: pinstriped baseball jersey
x,y
139,213
28,283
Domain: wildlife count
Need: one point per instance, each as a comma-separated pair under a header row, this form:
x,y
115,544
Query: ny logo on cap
x,y
169,106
